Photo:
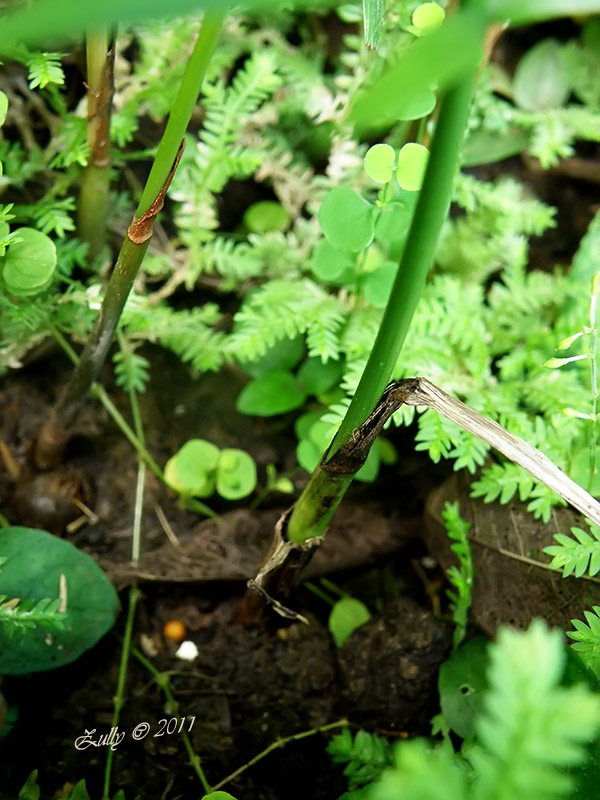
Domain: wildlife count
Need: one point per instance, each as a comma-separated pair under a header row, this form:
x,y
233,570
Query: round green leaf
x,y
540,80
346,616
393,222
236,474
3,108
378,284
35,562
379,162
273,393
317,377
265,216
190,470
346,219
427,18
412,162
462,683
29,263
328,263
218,796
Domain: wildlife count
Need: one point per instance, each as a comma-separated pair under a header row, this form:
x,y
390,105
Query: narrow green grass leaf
x,y
373,15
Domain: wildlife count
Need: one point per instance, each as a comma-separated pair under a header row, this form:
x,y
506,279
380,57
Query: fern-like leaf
x,y
587,639
531,727
579,555
17,615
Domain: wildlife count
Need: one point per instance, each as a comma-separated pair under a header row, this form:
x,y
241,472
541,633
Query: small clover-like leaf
x,y
191,470
427,18
236,474
346,219
379,162
412,162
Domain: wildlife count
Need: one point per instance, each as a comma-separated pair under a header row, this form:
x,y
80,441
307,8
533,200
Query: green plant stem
x,y
119,698
186,99
341,723
55,432
93,196
310,516
594,378
162,679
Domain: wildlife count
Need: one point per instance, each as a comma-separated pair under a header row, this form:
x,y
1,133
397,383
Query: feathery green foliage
x,y
460,577
18,615
587,639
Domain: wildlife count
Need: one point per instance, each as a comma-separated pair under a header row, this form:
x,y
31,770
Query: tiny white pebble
x,y
187,651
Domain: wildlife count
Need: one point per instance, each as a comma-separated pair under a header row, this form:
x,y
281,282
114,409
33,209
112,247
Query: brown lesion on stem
x,y
99,112
50,445
141,228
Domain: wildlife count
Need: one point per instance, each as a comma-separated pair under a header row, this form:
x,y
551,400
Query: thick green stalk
x,y
93,196
55,432
310,517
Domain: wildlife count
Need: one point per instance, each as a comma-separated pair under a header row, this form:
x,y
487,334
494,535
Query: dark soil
x,y
248,687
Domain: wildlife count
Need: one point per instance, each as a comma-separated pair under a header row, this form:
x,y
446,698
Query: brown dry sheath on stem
x,y
286,555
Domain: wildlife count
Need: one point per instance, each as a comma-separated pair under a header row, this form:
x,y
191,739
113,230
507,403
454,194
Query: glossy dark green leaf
x,y
35,562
